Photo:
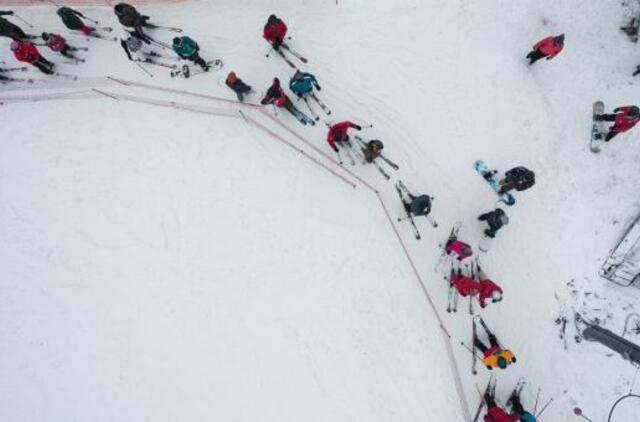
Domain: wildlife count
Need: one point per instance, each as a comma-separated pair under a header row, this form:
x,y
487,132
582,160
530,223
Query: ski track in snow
x,y
161,265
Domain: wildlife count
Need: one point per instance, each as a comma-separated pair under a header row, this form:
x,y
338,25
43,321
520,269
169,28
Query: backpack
x,y
521,177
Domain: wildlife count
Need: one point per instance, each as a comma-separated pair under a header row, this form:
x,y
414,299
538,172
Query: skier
x,y
495,413
518,409
274,31
419,205
518,178
188,49
466,286
625,118
57,43
372,150
488,289
71,19
496,219
494,355
275,95
460,249
302,83
131,18
237,85
26,52
548,47
10,30
338,134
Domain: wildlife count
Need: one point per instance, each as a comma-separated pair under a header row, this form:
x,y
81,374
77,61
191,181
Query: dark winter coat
x,y
239,87
338,133
71,18
518,178
274,31
496,219
128,15
373,150
7,29
420,205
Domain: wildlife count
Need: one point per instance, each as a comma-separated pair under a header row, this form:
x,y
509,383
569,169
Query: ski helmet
x,y
177,41
376,144
496,296
134,44
559,39
15,46
272,18
45,36
633,111
502,362
504,219
466,250
231,77
118,9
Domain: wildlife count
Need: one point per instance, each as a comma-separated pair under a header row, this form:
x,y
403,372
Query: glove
x,y
10,12
318,88
513,360
356,127
617,109
263,102
335,148
277,43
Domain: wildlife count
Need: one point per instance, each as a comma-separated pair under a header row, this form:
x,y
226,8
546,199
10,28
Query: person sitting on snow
x,y
488,289
548,47
237,86
494,355
518,178
274,31
459,248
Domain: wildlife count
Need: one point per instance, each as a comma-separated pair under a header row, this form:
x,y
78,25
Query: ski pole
x,y
22,19
472,351
53,3
339,157
544,408
578,411
143,69
91,20
269,52
370,125
535,407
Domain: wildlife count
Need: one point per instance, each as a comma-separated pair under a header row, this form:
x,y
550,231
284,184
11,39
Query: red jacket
x,y
340,130
549,47
459,248
56,42
275,31
27,52
275,95
623,122
496,414
464,285
487,287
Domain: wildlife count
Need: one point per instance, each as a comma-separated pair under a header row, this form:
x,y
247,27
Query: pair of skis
x,y
320,103
453,294
444,256
391,164
402,191
292,52
186,72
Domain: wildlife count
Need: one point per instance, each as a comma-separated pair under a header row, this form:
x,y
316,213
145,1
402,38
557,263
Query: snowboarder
x,y
237,85
302,83
496,219
71,18
488,290
26,52
518,178
275,95
548,47
459,248
518,409
338,134
57,43
495,413
10,30
274,31
625,118
494,355
131,18
188,49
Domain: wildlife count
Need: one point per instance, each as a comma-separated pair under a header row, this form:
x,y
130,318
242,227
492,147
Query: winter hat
x,y
633,111
502,362
559,39
45,36
177,41
272,18
15,45
231,77
496,296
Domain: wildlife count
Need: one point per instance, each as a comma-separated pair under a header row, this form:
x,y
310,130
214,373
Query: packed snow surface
x,y
163,263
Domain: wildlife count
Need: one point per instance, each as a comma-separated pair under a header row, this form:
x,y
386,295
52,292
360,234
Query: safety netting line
x,y
106,3
83,94
260,126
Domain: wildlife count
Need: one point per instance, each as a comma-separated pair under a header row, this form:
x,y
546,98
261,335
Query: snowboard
x,y
596,128
491,179
186,72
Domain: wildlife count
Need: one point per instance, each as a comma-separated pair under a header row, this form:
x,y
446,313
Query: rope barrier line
x,y
292,146
46,97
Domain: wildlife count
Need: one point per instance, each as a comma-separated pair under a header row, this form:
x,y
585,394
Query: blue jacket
x,y
304,85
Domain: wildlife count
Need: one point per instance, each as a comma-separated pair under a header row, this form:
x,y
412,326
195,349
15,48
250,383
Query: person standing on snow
x,y
10,30
466,286
275,95
518,178
274,31
26,52
487,289
372,150
302,83
71,18
625,118
237,86
58,44
548,47
495,413
496,219
494,355
129,17
459,248
338,133
188,49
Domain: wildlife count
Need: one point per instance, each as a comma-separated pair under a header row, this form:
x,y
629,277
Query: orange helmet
x,y
231,77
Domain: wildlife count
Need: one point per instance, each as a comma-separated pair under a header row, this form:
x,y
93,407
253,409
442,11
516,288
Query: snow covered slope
x,y
162,264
